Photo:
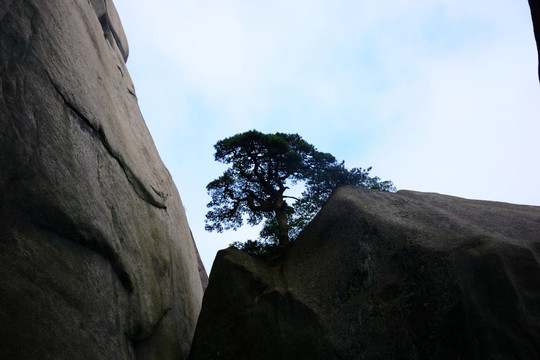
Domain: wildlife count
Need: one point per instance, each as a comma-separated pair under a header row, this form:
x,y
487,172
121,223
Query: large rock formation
x,y
384,276
96,256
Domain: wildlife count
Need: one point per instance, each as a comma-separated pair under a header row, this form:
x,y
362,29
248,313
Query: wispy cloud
x,y
437,95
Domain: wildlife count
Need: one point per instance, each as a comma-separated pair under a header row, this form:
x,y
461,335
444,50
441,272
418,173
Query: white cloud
x,y
436,95
479,127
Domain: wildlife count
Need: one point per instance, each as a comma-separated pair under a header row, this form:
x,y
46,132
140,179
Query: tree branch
x,y
291,197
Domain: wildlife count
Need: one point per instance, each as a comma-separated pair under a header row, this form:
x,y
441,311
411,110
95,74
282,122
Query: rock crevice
x,y
137,185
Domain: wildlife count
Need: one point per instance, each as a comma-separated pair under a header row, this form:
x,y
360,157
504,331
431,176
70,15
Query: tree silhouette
x,y
263,167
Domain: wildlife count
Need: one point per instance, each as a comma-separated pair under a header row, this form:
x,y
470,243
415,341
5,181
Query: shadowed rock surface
x,y
384,276
535,14
96,257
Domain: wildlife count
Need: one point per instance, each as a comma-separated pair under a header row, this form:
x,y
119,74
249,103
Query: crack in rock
x,y
54,221
137,185
139,334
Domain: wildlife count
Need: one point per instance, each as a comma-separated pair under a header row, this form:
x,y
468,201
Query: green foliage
x,y
263,167
271,251
318,190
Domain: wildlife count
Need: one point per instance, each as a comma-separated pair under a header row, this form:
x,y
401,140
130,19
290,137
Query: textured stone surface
x,y
96,257
384,276
110,23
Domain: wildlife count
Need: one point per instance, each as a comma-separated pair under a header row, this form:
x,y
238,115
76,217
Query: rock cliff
x,y
384,276
96,256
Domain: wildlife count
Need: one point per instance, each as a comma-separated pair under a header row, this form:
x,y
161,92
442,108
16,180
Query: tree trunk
x,y
283,230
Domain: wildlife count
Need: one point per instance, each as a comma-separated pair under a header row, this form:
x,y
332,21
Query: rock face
x,y
535,14
384,276
96,256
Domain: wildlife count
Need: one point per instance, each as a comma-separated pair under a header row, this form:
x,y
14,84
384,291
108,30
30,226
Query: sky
x,y
436,95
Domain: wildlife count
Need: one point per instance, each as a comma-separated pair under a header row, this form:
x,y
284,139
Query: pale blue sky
x,y
436,95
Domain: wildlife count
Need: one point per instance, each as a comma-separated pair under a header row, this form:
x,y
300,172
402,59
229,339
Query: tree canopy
x,y
263,168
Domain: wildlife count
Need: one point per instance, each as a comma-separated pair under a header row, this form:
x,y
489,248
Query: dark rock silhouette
x,y
535,14
96,257
384,276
